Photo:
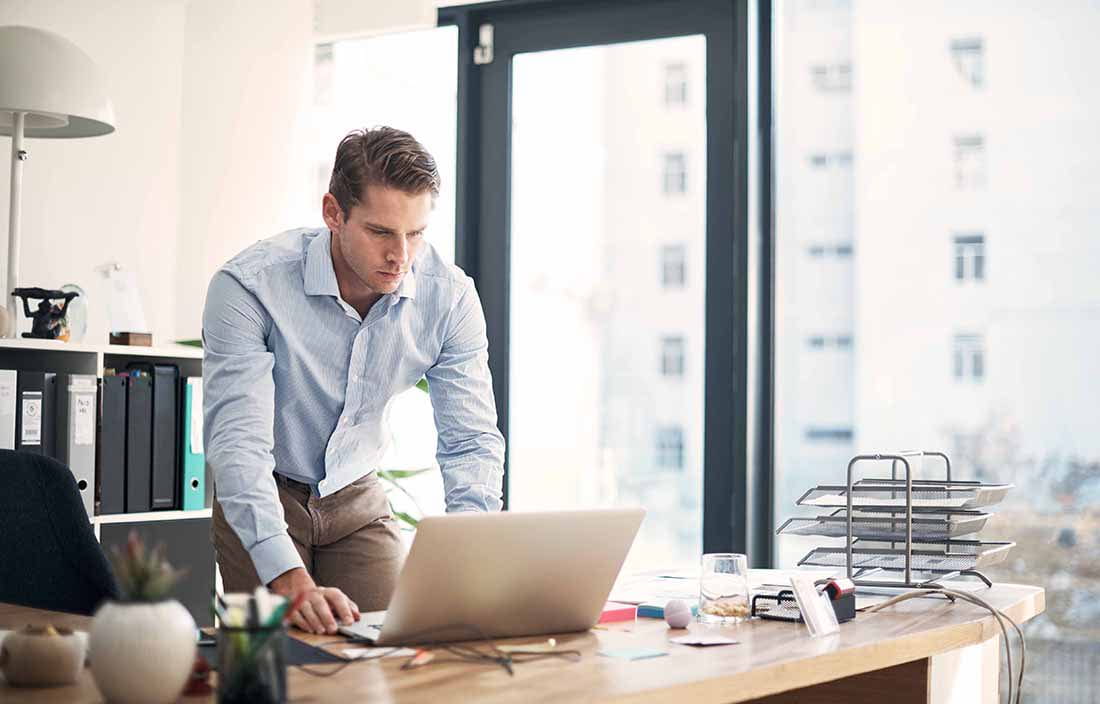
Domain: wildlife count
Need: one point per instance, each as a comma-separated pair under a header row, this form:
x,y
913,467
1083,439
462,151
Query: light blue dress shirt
x,y
295,382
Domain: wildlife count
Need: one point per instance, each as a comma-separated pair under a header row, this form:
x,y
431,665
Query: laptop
x,y
470,576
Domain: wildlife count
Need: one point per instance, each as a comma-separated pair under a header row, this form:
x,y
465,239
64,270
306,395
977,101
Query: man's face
x,y
381,235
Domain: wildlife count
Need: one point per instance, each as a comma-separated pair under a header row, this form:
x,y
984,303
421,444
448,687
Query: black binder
x,y
166,479
111,459
139,442
36,412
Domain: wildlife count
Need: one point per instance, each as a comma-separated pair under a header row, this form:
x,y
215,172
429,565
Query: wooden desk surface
x,y
772,657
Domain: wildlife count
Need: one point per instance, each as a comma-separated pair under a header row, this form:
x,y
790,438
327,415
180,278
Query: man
x,y
307,336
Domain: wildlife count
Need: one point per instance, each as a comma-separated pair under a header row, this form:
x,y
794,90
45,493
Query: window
x,y
825,160
676,84
821,250
970,257
674,177
968,55
969,357
832,78
670,447
969,161
672,356
820,434
322,75
673,265
1007,177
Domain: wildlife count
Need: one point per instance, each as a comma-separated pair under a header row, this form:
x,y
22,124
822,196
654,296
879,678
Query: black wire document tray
x,y
927,527
956,556
890,493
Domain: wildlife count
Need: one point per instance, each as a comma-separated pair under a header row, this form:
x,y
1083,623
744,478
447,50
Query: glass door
x,y
599,213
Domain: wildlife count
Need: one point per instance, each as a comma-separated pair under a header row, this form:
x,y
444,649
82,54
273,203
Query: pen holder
x,y
252,665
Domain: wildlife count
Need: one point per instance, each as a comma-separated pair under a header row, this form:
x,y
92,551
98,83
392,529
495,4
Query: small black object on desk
x,y
46,321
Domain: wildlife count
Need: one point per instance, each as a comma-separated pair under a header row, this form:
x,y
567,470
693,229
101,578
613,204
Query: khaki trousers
x,y
348,540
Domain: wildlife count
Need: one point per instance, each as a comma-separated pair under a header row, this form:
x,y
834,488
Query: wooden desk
x,y
899,656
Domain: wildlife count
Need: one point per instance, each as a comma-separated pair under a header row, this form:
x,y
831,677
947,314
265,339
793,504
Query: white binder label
x,y
84,420
195,384
32,418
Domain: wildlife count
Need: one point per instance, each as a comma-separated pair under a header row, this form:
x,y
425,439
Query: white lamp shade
x,y
54,82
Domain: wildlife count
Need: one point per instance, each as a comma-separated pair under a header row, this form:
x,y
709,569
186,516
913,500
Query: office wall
x,y
117,197
246,82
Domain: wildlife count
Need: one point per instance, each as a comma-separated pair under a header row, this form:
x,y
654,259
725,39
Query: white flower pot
x,y
142,653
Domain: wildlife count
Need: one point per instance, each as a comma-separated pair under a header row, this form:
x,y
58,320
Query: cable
x,y
999,616
462,652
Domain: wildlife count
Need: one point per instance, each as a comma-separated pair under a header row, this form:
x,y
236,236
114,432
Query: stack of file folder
x,y
133,440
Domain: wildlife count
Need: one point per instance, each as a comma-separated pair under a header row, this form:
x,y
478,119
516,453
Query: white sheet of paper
x,y
816,610
125,312
703,639
373,653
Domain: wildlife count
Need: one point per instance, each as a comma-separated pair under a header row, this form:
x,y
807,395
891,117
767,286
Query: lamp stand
x,y
18,156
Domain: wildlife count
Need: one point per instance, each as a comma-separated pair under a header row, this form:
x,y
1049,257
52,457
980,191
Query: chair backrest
x,y
49,555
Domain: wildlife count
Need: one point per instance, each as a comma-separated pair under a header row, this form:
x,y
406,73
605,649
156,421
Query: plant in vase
x,y
142,647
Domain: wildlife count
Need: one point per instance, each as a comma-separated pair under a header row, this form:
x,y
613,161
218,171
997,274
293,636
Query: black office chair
x,y
49,555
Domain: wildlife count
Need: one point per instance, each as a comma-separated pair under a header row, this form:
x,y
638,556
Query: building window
x,y
670,447
968,55
676,84
823,434
672,356
969,357
674,176
323,69
673,265
969,161
824,160
819,250
820,342
832,78
970,256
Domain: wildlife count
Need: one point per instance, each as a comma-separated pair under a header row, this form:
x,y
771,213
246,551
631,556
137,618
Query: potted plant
x,y
142,648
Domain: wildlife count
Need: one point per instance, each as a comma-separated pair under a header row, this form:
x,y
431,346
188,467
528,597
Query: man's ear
x,y
332,213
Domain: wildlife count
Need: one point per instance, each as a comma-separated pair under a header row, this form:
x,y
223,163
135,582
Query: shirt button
x,y
343,421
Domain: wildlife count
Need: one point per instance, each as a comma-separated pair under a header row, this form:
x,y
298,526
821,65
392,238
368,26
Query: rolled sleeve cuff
x,y
274,556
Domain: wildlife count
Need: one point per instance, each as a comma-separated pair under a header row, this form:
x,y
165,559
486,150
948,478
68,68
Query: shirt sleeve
x,y
239,414
470,450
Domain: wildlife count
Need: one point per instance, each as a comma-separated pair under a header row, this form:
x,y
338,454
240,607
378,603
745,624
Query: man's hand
x,y
322,605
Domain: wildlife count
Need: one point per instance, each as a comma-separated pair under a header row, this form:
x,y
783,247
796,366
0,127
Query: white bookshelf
x,y
85,358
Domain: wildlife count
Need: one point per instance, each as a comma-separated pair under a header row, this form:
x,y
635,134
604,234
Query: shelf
x,y
172,350
152,516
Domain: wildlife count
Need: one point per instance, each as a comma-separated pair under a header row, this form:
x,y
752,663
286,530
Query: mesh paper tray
x,y
926,526
887,493
955,557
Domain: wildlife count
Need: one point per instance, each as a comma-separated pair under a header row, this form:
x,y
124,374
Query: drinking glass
x,y
724,588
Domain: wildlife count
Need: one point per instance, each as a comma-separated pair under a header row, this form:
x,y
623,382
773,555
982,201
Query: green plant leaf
x,y
422,384
394,474
190,343
406,518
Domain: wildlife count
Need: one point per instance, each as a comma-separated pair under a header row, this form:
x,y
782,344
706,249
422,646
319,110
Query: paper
x,y
32,418
195,385
124,310
8,379
816,610
703,640
374,653
633,653
641,590
84,419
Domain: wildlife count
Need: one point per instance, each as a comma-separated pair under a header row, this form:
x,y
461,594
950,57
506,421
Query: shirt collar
x,y
320,276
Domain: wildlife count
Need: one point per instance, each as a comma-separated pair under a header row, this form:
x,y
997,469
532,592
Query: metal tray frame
x,y
888,526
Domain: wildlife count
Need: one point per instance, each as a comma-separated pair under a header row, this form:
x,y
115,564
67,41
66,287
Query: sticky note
x,y
633,653
703,640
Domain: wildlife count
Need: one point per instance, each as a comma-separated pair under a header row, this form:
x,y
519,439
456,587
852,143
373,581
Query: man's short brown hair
x,y
381,156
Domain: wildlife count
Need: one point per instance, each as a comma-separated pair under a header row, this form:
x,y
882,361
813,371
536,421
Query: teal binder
x,y
193,461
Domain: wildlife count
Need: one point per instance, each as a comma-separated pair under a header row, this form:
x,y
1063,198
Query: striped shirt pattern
x,y
295,382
